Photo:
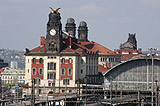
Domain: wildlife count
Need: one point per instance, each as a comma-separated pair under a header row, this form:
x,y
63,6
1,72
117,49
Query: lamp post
x,y
152,53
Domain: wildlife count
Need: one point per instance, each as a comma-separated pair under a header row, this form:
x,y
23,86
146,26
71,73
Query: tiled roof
x,y
93,46
26,85
1,70
77,48
38,49
101,68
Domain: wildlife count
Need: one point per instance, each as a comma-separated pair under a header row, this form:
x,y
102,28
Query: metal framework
x,y
135,74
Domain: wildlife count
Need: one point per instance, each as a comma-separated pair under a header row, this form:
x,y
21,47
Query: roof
x,y
38,49
101,68
1,70
93,46
76,48
134,59
26,85
9,70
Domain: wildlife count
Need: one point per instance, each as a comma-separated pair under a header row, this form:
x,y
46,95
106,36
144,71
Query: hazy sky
x,y
22,22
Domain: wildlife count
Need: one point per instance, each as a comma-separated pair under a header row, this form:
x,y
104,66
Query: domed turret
x,y
82,31
71,27
70,21
83,24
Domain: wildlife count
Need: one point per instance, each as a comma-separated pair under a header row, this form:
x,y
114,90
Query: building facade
x,y
12,76
3,64
64,61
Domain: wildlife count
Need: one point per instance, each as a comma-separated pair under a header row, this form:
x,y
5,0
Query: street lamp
x,y
152,54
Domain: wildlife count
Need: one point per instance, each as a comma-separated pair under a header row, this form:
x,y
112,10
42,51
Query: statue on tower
x,y
54,32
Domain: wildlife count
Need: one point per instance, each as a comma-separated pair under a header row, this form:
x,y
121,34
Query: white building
x,y
62,60
11,76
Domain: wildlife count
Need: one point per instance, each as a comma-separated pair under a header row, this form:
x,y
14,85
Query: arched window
x,y
34,60
69,71
63,71
63,60
41,60
33,71
40,71
70,60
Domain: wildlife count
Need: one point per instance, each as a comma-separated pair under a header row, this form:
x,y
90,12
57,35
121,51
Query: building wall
x,y
10,76
109,61
77,64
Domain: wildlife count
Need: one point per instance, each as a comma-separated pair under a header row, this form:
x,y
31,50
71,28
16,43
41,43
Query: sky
x,y
23,22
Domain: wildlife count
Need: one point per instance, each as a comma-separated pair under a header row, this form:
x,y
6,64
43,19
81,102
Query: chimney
x,y
140,50
70,41
42,41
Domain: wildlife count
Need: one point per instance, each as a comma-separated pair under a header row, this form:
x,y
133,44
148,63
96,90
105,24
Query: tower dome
x,y
70,21
82,31
71,27
83,23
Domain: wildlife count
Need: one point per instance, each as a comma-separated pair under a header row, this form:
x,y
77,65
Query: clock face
x,y
52,31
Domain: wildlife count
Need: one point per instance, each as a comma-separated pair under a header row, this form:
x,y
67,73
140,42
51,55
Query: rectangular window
x,y
51,66
69,71
49,84
37,81
51,76
53,84
66,81
81,61
81,71
54,66
63,71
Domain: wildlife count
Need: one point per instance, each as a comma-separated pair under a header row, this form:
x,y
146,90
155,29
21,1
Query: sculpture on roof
x,y
131,43
54,10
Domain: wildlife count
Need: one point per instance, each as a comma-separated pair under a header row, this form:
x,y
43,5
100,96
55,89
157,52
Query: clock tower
x,y
54,33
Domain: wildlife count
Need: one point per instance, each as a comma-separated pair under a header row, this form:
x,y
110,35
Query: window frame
x,y
40,71
33,70
82,61
70,60
34,60
63,60
81,71
66,81
49,84
51,66
51,75
63,70
41,60
69,69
